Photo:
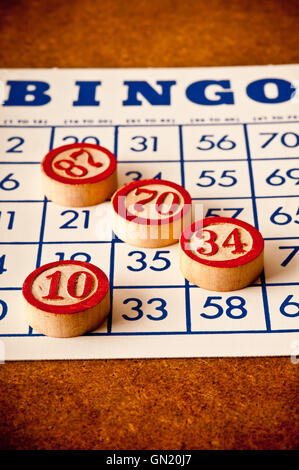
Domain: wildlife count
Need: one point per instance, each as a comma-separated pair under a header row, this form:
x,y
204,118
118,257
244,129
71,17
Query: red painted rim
x,y
257,242
120,209
95,298
48,159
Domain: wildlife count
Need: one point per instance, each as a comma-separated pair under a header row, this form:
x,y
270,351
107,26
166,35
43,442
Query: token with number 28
x,y
79,174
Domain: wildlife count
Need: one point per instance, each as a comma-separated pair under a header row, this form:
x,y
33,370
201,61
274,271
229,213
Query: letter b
x,y
19,91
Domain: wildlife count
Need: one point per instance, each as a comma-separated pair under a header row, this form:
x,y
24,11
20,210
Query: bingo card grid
x,y
248,171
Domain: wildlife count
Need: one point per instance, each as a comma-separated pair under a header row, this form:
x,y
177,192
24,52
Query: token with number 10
x,y
66,298
221,253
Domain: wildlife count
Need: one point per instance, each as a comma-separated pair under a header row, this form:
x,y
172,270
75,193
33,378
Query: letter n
x,y
149,93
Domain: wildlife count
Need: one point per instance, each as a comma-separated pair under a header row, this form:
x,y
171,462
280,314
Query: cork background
x,y
217,403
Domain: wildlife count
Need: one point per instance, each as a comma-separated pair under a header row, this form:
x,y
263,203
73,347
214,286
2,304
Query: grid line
x,y
256,223
112,252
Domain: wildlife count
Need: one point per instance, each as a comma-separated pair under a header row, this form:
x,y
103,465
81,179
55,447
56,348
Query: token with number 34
x,y
221,253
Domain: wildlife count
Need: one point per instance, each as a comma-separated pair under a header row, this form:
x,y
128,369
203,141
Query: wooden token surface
x,y
79,174
151,213
66,298
221,254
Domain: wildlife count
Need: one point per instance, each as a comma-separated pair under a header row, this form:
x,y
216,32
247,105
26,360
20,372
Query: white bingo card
x,y
229,135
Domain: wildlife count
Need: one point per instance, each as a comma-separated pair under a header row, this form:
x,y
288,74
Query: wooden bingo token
x,y
221,254
66,298
151,213
79,175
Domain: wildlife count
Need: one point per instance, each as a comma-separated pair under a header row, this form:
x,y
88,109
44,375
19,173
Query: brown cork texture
x,y
225,403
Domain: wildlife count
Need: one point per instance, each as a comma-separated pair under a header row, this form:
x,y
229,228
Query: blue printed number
x,y
161,304
291,255
207,142
208,180
8,183
136,175
233,303
287,303
74,217
275,179
3,309
89,139
163,264
75,256
9,220
280,217
234,215
136,308
144,143
2,262
18,142
288,139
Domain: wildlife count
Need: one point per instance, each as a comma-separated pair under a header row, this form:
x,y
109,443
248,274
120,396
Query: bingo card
x,y
229,135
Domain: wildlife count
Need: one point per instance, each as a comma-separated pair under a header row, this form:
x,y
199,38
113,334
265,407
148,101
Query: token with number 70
x,y
66,298
151,213
221,253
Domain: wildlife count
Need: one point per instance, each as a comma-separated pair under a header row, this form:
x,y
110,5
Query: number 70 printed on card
x,y
229,136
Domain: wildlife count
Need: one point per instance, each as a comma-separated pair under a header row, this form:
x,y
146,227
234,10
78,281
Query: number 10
x,y
71,285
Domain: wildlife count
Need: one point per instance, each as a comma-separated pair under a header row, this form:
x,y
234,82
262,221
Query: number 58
x,y
239,303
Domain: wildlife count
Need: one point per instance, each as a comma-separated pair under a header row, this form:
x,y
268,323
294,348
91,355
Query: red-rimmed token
x,y
151,213
221,253
66,298
79,174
